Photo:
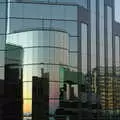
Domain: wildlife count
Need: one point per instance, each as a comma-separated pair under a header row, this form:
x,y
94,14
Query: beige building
x,y
108,87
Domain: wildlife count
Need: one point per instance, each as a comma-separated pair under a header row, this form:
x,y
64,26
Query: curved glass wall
x,y
26,16
44,52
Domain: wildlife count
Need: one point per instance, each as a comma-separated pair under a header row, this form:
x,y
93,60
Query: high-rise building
x,y
109,87
3,29
40,98
43,49
13,95
81,35
1,99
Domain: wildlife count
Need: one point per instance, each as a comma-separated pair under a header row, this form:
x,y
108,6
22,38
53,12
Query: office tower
x,y
1,98
81,35
109,89
47,49
3,28
13,100
40,98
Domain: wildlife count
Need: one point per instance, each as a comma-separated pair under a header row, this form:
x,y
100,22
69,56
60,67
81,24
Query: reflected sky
x,y
117,10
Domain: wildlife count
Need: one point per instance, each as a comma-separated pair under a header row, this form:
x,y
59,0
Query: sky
x,y
117,10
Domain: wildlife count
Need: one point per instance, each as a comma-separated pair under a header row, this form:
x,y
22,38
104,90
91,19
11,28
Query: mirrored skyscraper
x,y
79,36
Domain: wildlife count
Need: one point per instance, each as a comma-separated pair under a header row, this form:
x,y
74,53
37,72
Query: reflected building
x,y
40,98
13,83
81,35
47,49
1,99
109,92
3,32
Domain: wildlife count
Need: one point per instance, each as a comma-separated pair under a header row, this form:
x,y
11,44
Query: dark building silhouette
x,y
40,98
1,98
13,94
13,100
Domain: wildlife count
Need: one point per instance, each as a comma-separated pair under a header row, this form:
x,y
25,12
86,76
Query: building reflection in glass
x,y
13,92
46,49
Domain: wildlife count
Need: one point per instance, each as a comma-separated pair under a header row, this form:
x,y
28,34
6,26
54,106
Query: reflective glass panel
x,y
44,51
101,29
109,34
84,47
73,59
73,44
117,48
93,33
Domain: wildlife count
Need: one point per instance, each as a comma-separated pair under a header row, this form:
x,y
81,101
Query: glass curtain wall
x,y
102,58
3,19
93,41
109,81
44,52
24,16
117,52
116,80
109,35
84,47
83,3
101,30
93,34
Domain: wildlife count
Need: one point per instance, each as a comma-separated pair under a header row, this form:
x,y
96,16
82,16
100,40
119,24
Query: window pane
x,y
109,34
2,10
117,57
31,11
14,25
93,34
15,9
73,59
32,24
71,28
73,43
101,29
2,26
27,90
71,13
84,47
55,9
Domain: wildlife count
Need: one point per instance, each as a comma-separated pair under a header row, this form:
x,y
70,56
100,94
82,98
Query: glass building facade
x,y
81,36
3,21
47,50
